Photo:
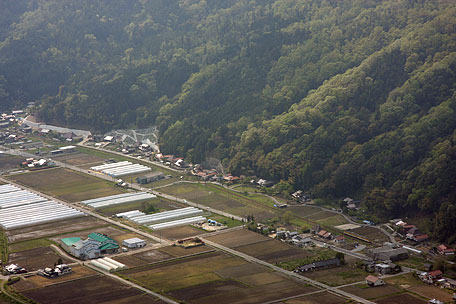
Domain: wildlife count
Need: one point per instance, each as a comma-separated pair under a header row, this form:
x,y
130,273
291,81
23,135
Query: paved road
x,y
133,186
90,212
346,217
157,295
288,273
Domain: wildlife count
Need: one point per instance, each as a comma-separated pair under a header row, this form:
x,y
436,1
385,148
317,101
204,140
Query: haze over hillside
x,y
339,98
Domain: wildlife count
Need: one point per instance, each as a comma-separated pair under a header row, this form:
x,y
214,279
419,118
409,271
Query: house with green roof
x,y
107,245
91,248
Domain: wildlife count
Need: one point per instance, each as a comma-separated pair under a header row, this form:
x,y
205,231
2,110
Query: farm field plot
x,y
338,275
178,252
303,211
432,292
66,184
272,251
78,158
36,258
318,298
130,260
219,199
401,299
369,293
216,278
332,221
238,238
54,228
8,162
410,283
177,233
37,281
371,233
323,214
95,289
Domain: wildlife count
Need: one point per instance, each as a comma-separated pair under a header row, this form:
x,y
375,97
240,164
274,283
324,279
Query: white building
x,y
134,243
83,249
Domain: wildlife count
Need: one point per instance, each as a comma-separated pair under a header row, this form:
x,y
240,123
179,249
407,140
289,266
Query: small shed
x,y
134,243
374,281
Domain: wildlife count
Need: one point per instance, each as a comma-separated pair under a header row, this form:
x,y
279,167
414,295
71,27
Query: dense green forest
x,y
338,98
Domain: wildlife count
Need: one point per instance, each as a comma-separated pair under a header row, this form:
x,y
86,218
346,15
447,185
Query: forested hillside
x,y
339,98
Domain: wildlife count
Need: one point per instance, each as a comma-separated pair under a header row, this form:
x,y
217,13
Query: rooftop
x,y
70,241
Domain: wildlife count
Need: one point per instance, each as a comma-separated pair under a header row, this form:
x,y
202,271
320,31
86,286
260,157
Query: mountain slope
x,y
340,98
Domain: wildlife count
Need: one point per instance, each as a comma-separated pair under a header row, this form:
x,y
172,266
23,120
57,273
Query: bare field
x,y
258,294
35,259
372,234
238,238
177,233
153,256
216,278
66,184
49,229
302,210
94,289
8,162
318,298
194,292
178,252
320,215
78,159
241,270
39,281
338,275
332,221
130,260
273,251
401,299
432,292
363,291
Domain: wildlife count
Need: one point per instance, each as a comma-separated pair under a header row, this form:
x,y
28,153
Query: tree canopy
x,y
339,98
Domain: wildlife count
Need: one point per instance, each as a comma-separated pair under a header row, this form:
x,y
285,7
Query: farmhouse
x,y
388,268
318,265
107,245
91,248
59,270
388,253
445,250
374,281
83,249
134,243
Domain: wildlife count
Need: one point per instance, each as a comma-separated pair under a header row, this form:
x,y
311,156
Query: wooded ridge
x,y
339,98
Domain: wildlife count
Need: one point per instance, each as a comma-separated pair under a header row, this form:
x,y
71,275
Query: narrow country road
x,y
288,273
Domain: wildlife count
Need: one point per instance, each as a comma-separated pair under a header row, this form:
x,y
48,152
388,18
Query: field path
x,y
289,273
157,295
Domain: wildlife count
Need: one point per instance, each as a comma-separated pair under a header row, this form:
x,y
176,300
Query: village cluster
x,y
125,230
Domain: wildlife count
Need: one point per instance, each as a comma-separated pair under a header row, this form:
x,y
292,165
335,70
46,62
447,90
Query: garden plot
x,y
55,228
37,258
93,289
216,278
67,184
78,159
